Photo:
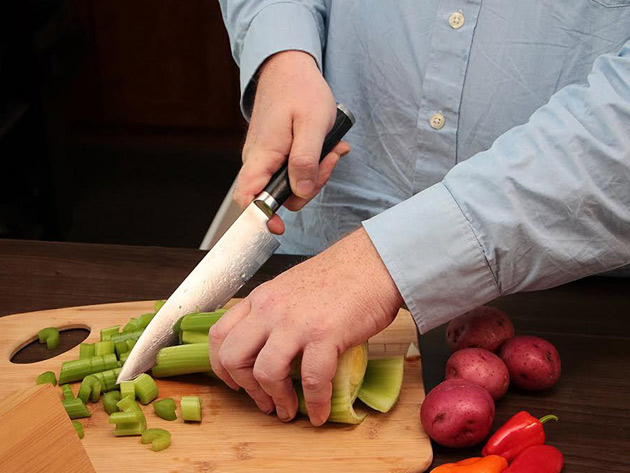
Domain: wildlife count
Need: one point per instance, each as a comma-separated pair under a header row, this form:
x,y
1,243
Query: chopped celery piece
x,y
136,427
124,356
165,409
66,390
126,417
90,389
132,326
49,336
201,321
86,350
158,438
76,370
75,408
191,408
182,359
382,383
107,379
127,389
130,342
104,348
78,428
110,400
120,348
189,337
146,389
158,305
145,319
126,336
47,377
351,367
107,333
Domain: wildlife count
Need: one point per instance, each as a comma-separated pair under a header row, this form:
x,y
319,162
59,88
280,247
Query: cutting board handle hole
x,y
31,351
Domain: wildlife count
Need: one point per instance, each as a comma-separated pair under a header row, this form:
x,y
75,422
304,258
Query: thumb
x,y
308,138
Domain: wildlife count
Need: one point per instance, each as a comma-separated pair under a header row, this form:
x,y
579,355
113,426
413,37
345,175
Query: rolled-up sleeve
x,y
259,29
548,203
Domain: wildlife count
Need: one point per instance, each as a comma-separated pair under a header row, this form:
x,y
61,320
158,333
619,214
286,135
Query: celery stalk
x,y
191,408
145,319
132,326
107,379
135,427
66,390
382,383
76,370
145,388
104,347
86,350
201,321
75,408
110,400
47,377
165,409
182,359
90,389
49,336
158,305
158,438
135,335
127,389
107,333
189,337
78,428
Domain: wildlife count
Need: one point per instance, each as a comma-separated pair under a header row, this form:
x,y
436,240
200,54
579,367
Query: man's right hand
x,y
293,111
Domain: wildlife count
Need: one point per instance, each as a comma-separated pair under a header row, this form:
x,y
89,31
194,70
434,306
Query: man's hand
x,y
293,111
319,308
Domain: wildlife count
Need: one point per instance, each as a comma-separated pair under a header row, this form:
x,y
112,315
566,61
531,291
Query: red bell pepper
x,y
537,459
518,433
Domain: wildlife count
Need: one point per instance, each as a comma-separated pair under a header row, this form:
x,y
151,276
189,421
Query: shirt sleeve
x,y
548,203
260,28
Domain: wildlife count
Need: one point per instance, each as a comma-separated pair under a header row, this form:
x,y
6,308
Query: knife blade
x,y
233,260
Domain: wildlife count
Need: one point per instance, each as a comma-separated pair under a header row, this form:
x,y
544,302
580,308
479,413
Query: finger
x,y
276,225
308,137
326,167
238,354
217,335
273,371
266,148
319,363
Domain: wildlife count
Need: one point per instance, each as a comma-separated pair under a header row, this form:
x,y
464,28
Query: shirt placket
x,y
438,114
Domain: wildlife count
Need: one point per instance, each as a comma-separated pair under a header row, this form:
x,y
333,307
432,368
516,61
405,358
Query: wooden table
x,y
587,320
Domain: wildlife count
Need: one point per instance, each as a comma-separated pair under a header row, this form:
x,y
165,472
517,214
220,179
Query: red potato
x,y
533,362
483,327
482,367
457,413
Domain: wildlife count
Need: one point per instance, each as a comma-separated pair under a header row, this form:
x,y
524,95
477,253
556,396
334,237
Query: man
x,y
491,155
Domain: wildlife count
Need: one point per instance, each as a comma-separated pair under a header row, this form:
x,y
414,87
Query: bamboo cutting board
x,y
234,435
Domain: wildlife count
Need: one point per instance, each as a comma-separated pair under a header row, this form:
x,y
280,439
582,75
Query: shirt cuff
x,y
278,27
434,257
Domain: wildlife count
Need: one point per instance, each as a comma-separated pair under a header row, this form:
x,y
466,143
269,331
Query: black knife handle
x,y
279,187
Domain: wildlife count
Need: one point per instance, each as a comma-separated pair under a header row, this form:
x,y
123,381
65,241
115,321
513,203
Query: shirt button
x,y
437,121
456,20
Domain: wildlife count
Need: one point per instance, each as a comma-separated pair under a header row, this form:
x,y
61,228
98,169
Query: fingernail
x,y
304,187
283,415
317,421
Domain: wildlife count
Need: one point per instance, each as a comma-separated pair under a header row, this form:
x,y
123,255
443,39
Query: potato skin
x,y
481,367
533,362
457,413
483,327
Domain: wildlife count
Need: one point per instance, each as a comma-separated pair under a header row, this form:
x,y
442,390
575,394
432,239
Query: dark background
x,y
119,120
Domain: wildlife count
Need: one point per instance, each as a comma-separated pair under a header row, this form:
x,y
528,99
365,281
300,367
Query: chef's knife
x,y
233,260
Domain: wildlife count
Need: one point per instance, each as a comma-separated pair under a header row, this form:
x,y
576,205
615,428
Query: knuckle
x,y
312,383
304,163
262,375
229,363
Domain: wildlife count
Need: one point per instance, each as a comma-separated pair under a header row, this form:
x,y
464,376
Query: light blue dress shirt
x,y
491,152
